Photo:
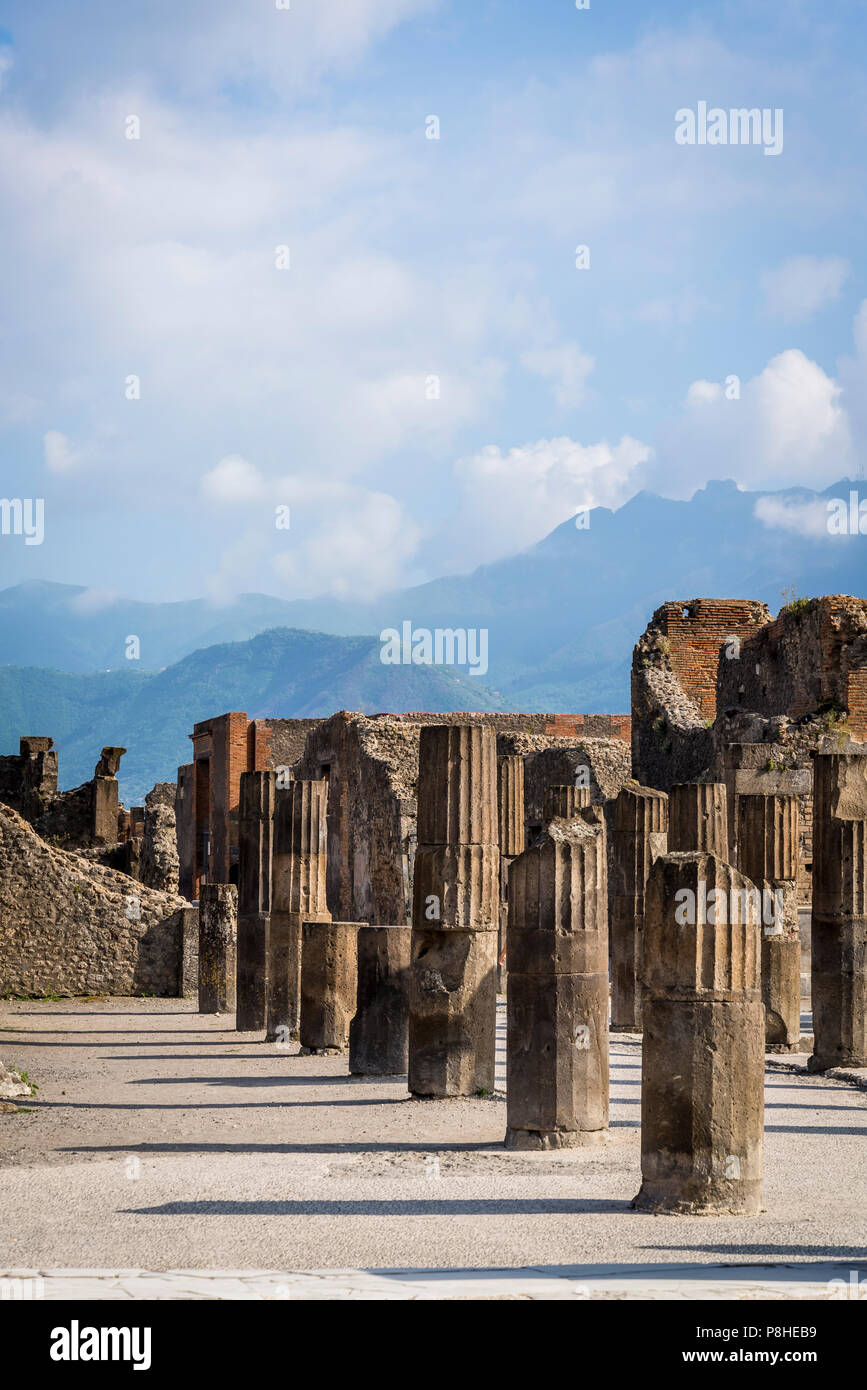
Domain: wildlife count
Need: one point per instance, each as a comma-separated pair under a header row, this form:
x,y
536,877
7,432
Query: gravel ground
x,y
162,1139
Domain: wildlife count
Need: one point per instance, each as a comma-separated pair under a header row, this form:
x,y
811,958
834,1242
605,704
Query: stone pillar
x,y
564,802
639,837
839,944
297,895
702,1090
255,851
510,804
185,820
329,983
218,918
379,1032
767,840
697,819
557,1030
188,953
455,915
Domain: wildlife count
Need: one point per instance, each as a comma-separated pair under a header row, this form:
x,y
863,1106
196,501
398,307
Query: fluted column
x,y
702,1088
300,843
255,848
697,819
557,1029
839,945
455,918
565,801
767,841
639,837
510,801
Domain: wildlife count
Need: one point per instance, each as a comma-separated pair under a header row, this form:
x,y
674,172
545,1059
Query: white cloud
x,y
808,519
788,426
234,479
361,549
566,367
510,500
60,457
802,285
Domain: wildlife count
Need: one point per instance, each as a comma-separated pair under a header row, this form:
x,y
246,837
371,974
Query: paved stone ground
x,y
161,1140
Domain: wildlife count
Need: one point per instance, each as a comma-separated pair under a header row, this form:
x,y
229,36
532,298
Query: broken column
x,y
455,917
255,850
767,840
218,917
557,1030
379,1032
702,1089
639,837
510,807
297,896
839,945
697,820
565,802
103,827
328,985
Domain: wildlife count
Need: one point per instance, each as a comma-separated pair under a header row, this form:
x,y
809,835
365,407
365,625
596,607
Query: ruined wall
x,y
559,761
69,926
674,685
552,725
811,657
277,742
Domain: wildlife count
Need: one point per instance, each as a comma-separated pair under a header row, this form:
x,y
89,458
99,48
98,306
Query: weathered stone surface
x,y
697,819
69,926
456,887
298,895
329,980
557,1029
185,825
218,924
563,802
159,865
452,1021
11,1085
109,762
379,1032
456,893
255,858
457,785
702,1094
639,836
767,840
510,802
839,937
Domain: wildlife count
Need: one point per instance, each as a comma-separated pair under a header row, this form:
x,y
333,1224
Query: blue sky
x,y
412,259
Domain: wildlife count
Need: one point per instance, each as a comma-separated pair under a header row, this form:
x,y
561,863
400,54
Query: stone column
x,y
702,1090
839,945
298,895
510,803
639,837
565,802
697,819
455,916
767,840
329,981
255,848
557,1029
218,919
379,1032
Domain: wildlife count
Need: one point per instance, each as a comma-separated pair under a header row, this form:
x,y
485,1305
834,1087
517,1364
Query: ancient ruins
x,y
366,885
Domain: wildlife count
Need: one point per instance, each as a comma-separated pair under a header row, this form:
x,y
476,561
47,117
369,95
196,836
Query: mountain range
x,y
561,617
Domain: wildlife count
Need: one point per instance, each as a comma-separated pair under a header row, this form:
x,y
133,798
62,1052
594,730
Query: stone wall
x,y
70,926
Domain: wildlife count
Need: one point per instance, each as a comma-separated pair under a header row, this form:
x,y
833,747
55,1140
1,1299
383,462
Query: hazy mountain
x,y
562,618
281,672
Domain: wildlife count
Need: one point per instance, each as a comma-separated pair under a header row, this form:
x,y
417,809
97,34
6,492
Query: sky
x,y
294,301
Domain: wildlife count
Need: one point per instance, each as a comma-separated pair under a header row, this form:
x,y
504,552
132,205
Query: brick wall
x,y
695,631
